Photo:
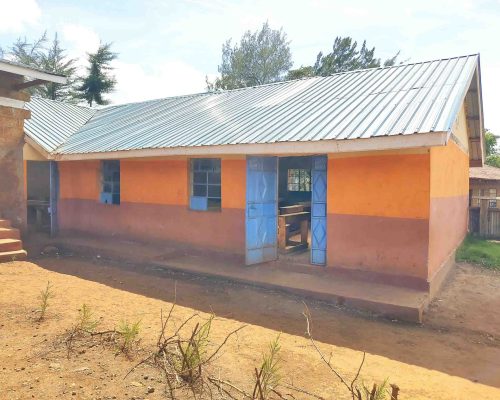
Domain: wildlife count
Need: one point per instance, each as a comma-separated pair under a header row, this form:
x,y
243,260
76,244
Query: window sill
x,y
212,210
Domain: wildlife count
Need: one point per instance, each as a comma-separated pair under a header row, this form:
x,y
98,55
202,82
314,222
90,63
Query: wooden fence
x,y
484,221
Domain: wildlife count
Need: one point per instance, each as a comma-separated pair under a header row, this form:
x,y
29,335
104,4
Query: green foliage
x,y
270,377
28,53
98,80
56,61
194,351
302,72
490,142
479,251
261,57
51,59
376,392
44,297
345,56
129,335
86,321
493,160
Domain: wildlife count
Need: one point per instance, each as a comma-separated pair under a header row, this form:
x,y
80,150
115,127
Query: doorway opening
x,y
294,208
38,195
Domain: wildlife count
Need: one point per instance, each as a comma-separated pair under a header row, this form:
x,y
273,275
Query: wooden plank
x,y
483,217
291,209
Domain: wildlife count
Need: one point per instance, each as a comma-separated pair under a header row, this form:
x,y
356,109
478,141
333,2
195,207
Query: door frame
x,y
277,207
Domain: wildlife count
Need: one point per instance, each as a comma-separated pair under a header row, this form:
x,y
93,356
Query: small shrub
x,y
375,393
269,378
194,351
86,321
44,297
129,334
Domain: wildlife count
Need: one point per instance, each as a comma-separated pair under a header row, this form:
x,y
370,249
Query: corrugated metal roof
x,y
52,122
404,99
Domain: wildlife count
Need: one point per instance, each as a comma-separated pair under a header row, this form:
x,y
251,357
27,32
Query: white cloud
x,y
79,40
490,76
18,14
166,78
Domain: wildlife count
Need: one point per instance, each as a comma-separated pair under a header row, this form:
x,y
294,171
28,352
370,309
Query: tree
x,y
28,53
55,60
345,56
52,59
261,57
490,142
98,80
302,72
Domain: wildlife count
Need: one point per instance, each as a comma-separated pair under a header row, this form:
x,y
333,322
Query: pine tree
x,y
52,59
57,62
98,80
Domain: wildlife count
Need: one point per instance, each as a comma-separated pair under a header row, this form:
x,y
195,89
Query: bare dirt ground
x,y
455,354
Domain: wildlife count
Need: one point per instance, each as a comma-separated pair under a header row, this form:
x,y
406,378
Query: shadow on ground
x,y
449,343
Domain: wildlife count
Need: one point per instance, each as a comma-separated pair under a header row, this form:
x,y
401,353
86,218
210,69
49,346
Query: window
x,y
110,182
299,180
493,203
205,184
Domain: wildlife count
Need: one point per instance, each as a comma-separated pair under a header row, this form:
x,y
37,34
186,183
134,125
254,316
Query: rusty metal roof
x,y
400,100
486,173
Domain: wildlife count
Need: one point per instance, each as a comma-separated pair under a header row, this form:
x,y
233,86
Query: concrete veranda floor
x,y
315,283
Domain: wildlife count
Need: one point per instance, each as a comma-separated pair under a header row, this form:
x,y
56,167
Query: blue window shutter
x,y
106,198
198,203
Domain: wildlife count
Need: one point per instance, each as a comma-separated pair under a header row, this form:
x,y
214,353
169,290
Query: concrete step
x,y
10,233
7,245
16,255
4,223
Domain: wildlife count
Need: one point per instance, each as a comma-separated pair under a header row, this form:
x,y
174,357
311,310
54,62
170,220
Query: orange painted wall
x,y
449,171
233,184
378,210
154,204
395,185
449,203
154,182
79,179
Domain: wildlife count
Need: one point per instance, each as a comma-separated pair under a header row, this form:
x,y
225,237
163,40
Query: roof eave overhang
x,y
36,75
395,142
37,147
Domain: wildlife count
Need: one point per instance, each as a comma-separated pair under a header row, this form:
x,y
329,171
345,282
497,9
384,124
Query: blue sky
x,y
167,47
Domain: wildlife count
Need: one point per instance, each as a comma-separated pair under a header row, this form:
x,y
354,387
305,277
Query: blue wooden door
x,y
318,210
262,210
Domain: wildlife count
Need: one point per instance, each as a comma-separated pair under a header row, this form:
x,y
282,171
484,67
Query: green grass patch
x,y
480,251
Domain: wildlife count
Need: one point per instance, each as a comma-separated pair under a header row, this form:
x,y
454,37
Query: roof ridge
x,y
217,92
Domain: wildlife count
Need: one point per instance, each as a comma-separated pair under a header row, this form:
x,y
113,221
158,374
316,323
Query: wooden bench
x,y
285,221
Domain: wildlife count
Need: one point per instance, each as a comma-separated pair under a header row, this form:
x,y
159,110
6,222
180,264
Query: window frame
x,y
110,188
492,203
205,184
303,183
